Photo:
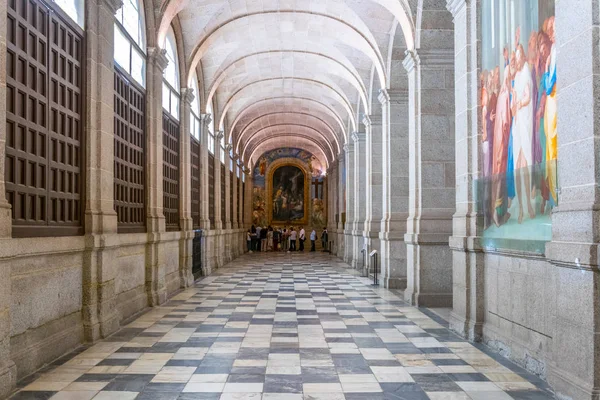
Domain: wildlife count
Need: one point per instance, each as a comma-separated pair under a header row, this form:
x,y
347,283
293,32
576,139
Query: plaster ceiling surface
x,y
275,70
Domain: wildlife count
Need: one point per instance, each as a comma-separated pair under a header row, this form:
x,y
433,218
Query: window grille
x,y
211,190
171,172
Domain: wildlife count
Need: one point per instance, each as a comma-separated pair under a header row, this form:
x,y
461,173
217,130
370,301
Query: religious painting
x,y
517,189
288,194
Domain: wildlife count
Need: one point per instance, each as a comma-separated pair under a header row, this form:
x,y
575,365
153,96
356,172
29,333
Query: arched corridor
x,y
156,149
285,327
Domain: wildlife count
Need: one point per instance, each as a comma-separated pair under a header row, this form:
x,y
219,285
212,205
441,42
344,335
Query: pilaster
x,y
220,225
373,183
431,177
360,196
186,278
155,226
8,370
234,219
468,313
204,185
341,203
349,179
248,200
574,371
100,318
395,187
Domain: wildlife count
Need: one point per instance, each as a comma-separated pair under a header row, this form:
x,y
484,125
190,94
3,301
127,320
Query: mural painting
x,y
288,194
518,185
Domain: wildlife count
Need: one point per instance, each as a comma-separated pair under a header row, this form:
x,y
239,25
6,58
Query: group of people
x,y
519,115
263,239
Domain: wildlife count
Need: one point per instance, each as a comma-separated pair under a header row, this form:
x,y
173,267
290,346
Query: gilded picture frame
x,y
283,162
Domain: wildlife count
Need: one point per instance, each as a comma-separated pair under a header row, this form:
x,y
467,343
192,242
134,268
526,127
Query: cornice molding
x,y
158,57
112,5
187,95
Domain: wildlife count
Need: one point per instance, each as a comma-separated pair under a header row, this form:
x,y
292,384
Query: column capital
x,y
158,57
384,96
113,5
236,157
219,135
348,148
411,60
228,147
187,95
455,6
372,120
359,137
246,170
206,119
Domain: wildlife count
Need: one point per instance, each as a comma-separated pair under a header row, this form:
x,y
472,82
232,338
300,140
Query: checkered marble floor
x,y
284,327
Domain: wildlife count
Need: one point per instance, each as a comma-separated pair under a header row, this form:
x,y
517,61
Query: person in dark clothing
x,y
325,239
263,239
253,238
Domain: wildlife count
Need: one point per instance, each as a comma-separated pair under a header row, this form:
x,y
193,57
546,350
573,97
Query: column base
x,y
393,283
470,330
428,299
8,378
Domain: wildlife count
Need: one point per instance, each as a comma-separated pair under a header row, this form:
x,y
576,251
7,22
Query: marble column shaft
x,y
360,196
186,222
155,258
431,177
373,186
349,226
342,202
395,188
100,318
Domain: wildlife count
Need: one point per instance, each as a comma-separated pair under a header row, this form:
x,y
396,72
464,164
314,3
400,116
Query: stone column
x,y
248,201
467,257
374,181
220,225
186,278
360,196
395,187
234,219
241,225
341,202
8,370
155,225
204,213
574,371
431,177
227,227
333,195
99,311
349,178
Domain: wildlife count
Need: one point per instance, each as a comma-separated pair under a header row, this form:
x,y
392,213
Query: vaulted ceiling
x,y
289,72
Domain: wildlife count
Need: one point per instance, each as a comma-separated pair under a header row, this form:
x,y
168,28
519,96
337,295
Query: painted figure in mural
x,y
522,110
500,152
263,166
550,114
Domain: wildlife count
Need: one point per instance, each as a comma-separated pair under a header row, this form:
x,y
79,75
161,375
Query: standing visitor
x,y
293,237
276,238
263,239
258,229
285,236
313,240
249,241
302,238
253,238
324,239
270,239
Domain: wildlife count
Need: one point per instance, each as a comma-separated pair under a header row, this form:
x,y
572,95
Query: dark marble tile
x,y
468,377
530,395
199,396
32,395
129,383
158,396
249,370
283,384
115,362
246,378
164,387
183,363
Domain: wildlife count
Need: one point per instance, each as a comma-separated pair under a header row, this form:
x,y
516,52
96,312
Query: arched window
x,y
130,40
74,9
211,129
171,76
195,109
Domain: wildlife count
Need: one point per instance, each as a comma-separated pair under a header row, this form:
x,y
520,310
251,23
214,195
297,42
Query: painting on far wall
x,y
288,194
517,189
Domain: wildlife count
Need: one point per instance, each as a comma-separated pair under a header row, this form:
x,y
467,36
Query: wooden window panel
x,y
211,190
231,180
130,154
239,209
195,149
44,121
171,172
223,218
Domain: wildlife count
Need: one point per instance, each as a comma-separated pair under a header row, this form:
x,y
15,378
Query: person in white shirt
x,y
293,237
313,240
302,239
